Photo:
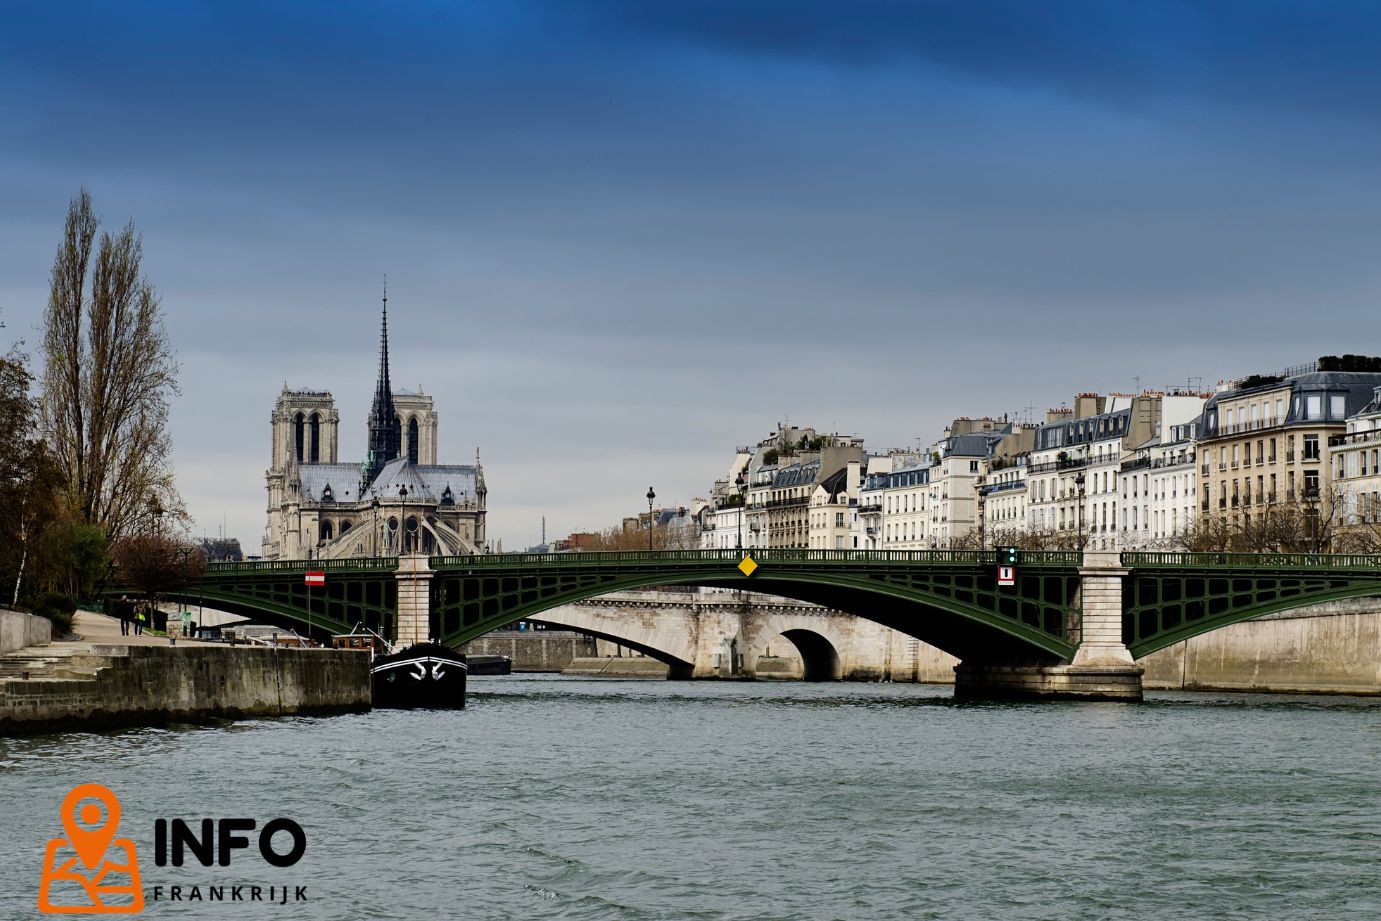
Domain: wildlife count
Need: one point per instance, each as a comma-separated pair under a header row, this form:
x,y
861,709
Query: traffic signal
x,y
1006,556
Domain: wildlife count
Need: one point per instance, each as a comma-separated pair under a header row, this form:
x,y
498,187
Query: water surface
x,y
568,798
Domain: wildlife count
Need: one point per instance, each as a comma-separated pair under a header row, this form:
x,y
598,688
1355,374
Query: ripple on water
x,y
568,798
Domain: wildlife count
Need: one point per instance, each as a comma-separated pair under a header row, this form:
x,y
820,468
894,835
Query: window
x,y
1337,406
1311,446
1313,406
1280,410
839,521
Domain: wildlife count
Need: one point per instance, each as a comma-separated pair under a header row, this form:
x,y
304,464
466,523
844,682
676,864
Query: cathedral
x,y
397,500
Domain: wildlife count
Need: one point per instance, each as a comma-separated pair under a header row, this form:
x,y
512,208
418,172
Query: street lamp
x,y
186,558
403,521
650,496
375,506
742,504
1079,482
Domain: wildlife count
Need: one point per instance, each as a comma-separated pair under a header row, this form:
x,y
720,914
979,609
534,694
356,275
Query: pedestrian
x,y
125,609
140,616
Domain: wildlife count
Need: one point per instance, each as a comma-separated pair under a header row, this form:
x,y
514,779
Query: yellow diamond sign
x,y
747,566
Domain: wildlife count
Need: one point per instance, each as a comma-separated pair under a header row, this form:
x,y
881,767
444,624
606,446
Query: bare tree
x,y
155,565
109,376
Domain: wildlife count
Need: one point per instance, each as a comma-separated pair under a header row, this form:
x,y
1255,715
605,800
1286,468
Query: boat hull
x,y
425,675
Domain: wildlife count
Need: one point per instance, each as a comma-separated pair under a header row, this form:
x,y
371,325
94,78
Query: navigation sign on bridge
x,y
314,578
1006,566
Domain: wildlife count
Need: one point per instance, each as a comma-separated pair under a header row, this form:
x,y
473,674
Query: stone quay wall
x,y
534,650
156,685
18,630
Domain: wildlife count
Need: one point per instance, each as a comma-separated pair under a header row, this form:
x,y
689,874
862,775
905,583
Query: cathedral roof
x,y
343,479
430,481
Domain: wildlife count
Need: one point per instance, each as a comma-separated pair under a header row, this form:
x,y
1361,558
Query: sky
x,y
622,237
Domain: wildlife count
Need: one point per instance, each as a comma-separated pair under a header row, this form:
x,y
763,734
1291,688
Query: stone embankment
x,y
534,650
144,681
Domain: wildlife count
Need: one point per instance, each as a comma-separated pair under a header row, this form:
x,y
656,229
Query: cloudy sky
x,y
622,237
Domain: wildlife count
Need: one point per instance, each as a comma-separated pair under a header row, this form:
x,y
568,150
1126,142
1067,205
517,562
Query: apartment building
x,y
1158,489
906,508
1265,439
1355,458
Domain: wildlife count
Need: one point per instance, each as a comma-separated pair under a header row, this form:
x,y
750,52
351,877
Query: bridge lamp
x,y
1079,483
650,497
403,519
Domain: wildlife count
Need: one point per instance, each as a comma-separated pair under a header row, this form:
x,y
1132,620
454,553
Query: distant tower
x,y
385,437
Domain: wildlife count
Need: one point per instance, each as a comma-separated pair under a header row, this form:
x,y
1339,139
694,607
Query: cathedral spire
x,y
385,437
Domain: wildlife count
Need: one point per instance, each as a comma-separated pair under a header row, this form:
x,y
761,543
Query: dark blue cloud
x,y
1260,52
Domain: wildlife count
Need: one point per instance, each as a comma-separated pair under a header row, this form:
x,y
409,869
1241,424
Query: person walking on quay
x,y
140,615
126,609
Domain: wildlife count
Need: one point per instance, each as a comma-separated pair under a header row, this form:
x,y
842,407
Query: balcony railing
x,y
1356,438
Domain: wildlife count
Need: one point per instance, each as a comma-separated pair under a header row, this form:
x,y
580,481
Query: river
x,y
554,797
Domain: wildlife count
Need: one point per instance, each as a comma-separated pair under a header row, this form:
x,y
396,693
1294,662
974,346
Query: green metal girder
x,y
1163,606
472,595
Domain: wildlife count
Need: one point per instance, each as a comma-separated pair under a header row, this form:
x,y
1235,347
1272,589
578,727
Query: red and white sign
x,y
315,578
1006,575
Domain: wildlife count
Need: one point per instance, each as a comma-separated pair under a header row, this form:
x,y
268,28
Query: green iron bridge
x,y
949,599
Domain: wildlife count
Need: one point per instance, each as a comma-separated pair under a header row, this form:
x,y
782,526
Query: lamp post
x,y
1079,483
742,505
375,506
650,496
186,559
403,520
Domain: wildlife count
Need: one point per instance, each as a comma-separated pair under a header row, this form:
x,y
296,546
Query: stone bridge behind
x,y
723,633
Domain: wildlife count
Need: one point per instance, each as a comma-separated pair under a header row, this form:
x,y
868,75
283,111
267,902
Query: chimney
x,y
1087,404
1062,414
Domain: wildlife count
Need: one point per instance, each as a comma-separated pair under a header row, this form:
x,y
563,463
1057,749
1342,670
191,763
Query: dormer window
x,y
447,497
327,495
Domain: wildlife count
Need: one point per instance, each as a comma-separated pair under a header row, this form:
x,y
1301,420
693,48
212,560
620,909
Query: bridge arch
x,y
677,667
962,615
819,658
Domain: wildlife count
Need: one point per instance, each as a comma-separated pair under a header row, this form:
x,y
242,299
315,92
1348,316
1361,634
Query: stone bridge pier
x,y
1102,668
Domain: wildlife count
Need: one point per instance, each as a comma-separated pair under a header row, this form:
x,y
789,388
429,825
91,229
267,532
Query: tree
x,y
156,565
108,378
28,478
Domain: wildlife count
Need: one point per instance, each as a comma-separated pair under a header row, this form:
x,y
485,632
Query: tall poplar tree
x,y
108,378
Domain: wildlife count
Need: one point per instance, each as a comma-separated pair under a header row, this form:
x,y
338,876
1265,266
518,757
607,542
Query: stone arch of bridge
x,y
965,630
678,667
819,657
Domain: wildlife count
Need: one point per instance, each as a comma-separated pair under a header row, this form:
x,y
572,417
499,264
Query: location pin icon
x,y
90,845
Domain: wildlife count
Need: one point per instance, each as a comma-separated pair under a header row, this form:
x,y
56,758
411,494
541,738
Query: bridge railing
x,y
389,563
1322,561
672,558
761,556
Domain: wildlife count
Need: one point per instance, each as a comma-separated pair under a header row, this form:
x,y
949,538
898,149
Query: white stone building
x,y
1355,458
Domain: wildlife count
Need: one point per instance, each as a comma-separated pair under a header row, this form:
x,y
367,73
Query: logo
x,y
90,872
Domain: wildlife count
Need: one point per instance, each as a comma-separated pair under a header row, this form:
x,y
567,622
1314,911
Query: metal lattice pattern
x,y
473,595
1162,606
351,597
